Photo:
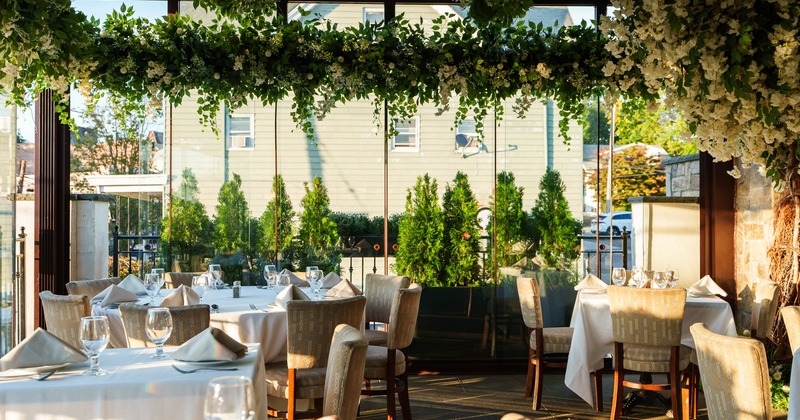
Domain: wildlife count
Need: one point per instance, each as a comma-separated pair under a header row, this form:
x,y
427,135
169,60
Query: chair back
x,y
62,315
311,327
791,320
735,375
345,372
765,308
187,322
651,317
529,302
90,288
403,318
173,280
379,291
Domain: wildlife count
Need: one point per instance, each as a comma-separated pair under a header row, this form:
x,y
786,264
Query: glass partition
x,y
8,186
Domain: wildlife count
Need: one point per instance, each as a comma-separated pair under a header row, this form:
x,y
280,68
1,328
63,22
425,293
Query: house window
x,y
407,138
467,137
373,15
240,131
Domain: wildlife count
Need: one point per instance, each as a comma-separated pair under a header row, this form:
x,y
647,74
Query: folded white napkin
x,y
294,279
40,349
291,292
210,345
181,296
133,284
330,280
706,287
591,282
343,289
113,295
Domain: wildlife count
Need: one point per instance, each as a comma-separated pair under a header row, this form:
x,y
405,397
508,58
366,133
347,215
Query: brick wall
x,y
683,176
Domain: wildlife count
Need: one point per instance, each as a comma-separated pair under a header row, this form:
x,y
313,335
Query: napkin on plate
x,y
591,282
181,296
114,295
133,284
291,292
40,349
343,289
706,287
210,345
330,280
294,279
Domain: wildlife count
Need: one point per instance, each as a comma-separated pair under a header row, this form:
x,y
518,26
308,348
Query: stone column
x,y
89,236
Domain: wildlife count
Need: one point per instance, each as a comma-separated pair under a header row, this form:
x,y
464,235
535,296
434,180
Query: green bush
x,y
360,224
420,240
232,223
511,221
266,224
461,234
556,230
318,235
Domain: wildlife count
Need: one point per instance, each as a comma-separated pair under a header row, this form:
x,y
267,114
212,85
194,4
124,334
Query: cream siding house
x,y
348,153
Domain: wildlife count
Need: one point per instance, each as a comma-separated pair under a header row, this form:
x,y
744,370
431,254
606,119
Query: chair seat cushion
x,y
652,359
376,337
376,362
309,383
556,340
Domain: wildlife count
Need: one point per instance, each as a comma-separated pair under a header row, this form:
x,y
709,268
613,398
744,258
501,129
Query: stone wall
x,y
683,176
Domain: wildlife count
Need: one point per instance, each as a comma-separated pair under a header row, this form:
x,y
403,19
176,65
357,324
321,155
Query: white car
x,y
622,220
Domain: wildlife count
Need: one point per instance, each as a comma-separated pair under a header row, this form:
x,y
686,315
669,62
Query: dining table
x,y
135,387
593,339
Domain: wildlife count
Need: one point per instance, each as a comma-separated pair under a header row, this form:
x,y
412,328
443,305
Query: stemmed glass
x,y
283,279
230,398
315,278
159,272
636,276
672,277
216,272
618,276
269,274
660,280
200,285
94,337
158,327
151,285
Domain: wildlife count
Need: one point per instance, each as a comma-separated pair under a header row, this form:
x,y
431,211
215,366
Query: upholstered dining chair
x,y
90,288
187,322
735,375
765,309
62,315
791,320
311,325
388,362
344,372
379,291
646,324
173,279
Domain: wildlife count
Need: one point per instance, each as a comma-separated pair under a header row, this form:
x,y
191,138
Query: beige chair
x,y
379,291
735,375
62,315
311,325
389,363
90,288
765,309
344,372
187,322
791,320
173,280
646,324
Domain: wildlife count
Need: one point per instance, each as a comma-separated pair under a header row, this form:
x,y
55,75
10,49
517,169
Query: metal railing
x,y
18,290
606,247
141,248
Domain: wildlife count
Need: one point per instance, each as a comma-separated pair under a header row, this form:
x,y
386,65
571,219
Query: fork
x,y
253,307
202,368
45,375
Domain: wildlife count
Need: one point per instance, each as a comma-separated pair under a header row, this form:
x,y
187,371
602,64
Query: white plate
x,y
207,362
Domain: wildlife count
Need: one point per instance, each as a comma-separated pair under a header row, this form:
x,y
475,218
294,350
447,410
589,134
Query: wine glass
x,y
672,277
636,276
94,337
216,273
269,274
161,280
200,285
660,280
309,269
618,276
151,285
229,398
158,327
315,278
284,280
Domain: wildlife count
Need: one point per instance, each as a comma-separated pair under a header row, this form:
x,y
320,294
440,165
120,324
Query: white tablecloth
x,y
137,387
234,317
593,339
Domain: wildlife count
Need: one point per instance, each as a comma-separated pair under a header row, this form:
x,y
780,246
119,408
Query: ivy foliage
x,y
421,238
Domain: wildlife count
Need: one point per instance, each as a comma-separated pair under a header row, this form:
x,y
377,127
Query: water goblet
x,y
660,280
315,278
161,280
269,275
672,277
158,328
230,397
216,273
151,285
284,280
309,269
618,276
94,336
636,276
200,285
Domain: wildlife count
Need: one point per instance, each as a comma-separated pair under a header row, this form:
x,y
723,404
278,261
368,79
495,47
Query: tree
x,y
190,229
557,230
461,234
590,124
232,222
421,235
318,233
510,220
635,174
285,228
664,127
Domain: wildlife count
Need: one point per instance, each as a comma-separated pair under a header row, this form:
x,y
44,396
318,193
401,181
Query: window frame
x,y
416,132
474,141
366,10
250,142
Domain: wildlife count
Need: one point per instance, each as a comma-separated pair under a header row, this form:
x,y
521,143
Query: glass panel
x,y
240,125
7,234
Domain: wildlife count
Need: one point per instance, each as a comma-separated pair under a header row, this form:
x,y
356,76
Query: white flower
x,y
746,333
777,376
216,76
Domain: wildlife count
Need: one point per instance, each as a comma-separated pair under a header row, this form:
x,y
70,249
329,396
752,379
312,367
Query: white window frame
x,y
249,142
474,140
368,10
415,132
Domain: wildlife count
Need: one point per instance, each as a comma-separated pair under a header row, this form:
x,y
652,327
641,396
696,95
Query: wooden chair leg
x,y
404,403
390,385
529,379
538,359
675,388
598,391
619,377
290,406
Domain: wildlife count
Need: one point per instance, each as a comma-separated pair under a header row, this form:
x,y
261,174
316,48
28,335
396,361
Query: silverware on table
x,y
193,370
253,307
46,375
